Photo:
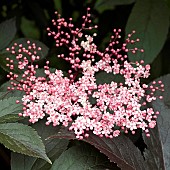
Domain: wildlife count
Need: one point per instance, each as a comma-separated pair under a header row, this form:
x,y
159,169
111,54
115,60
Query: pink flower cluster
x,y
118,107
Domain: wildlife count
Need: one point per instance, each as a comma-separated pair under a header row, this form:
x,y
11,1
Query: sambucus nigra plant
x,y
66,99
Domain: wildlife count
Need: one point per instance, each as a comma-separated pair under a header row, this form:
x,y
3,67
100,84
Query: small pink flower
x,y
116,133
152,124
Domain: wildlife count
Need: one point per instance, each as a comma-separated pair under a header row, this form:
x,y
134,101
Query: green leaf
x,y
113,2
13,93
9,110
29,28
2,95
3,62
7,32
18,93
81,157
150,20
168,3
44,49
102,5
119,150
103,77
21,162
22,139
58,6
43,53
158,153
54,148
58,63
2,76
37,10
157,67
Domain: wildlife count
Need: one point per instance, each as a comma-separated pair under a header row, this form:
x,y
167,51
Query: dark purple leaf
x,y
158,153
7,32
119,150
150,20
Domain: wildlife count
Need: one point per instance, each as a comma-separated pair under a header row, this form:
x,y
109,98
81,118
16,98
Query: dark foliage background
x,y
32,17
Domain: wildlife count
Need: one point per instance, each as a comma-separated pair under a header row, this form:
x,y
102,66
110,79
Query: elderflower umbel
x,y
78,101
